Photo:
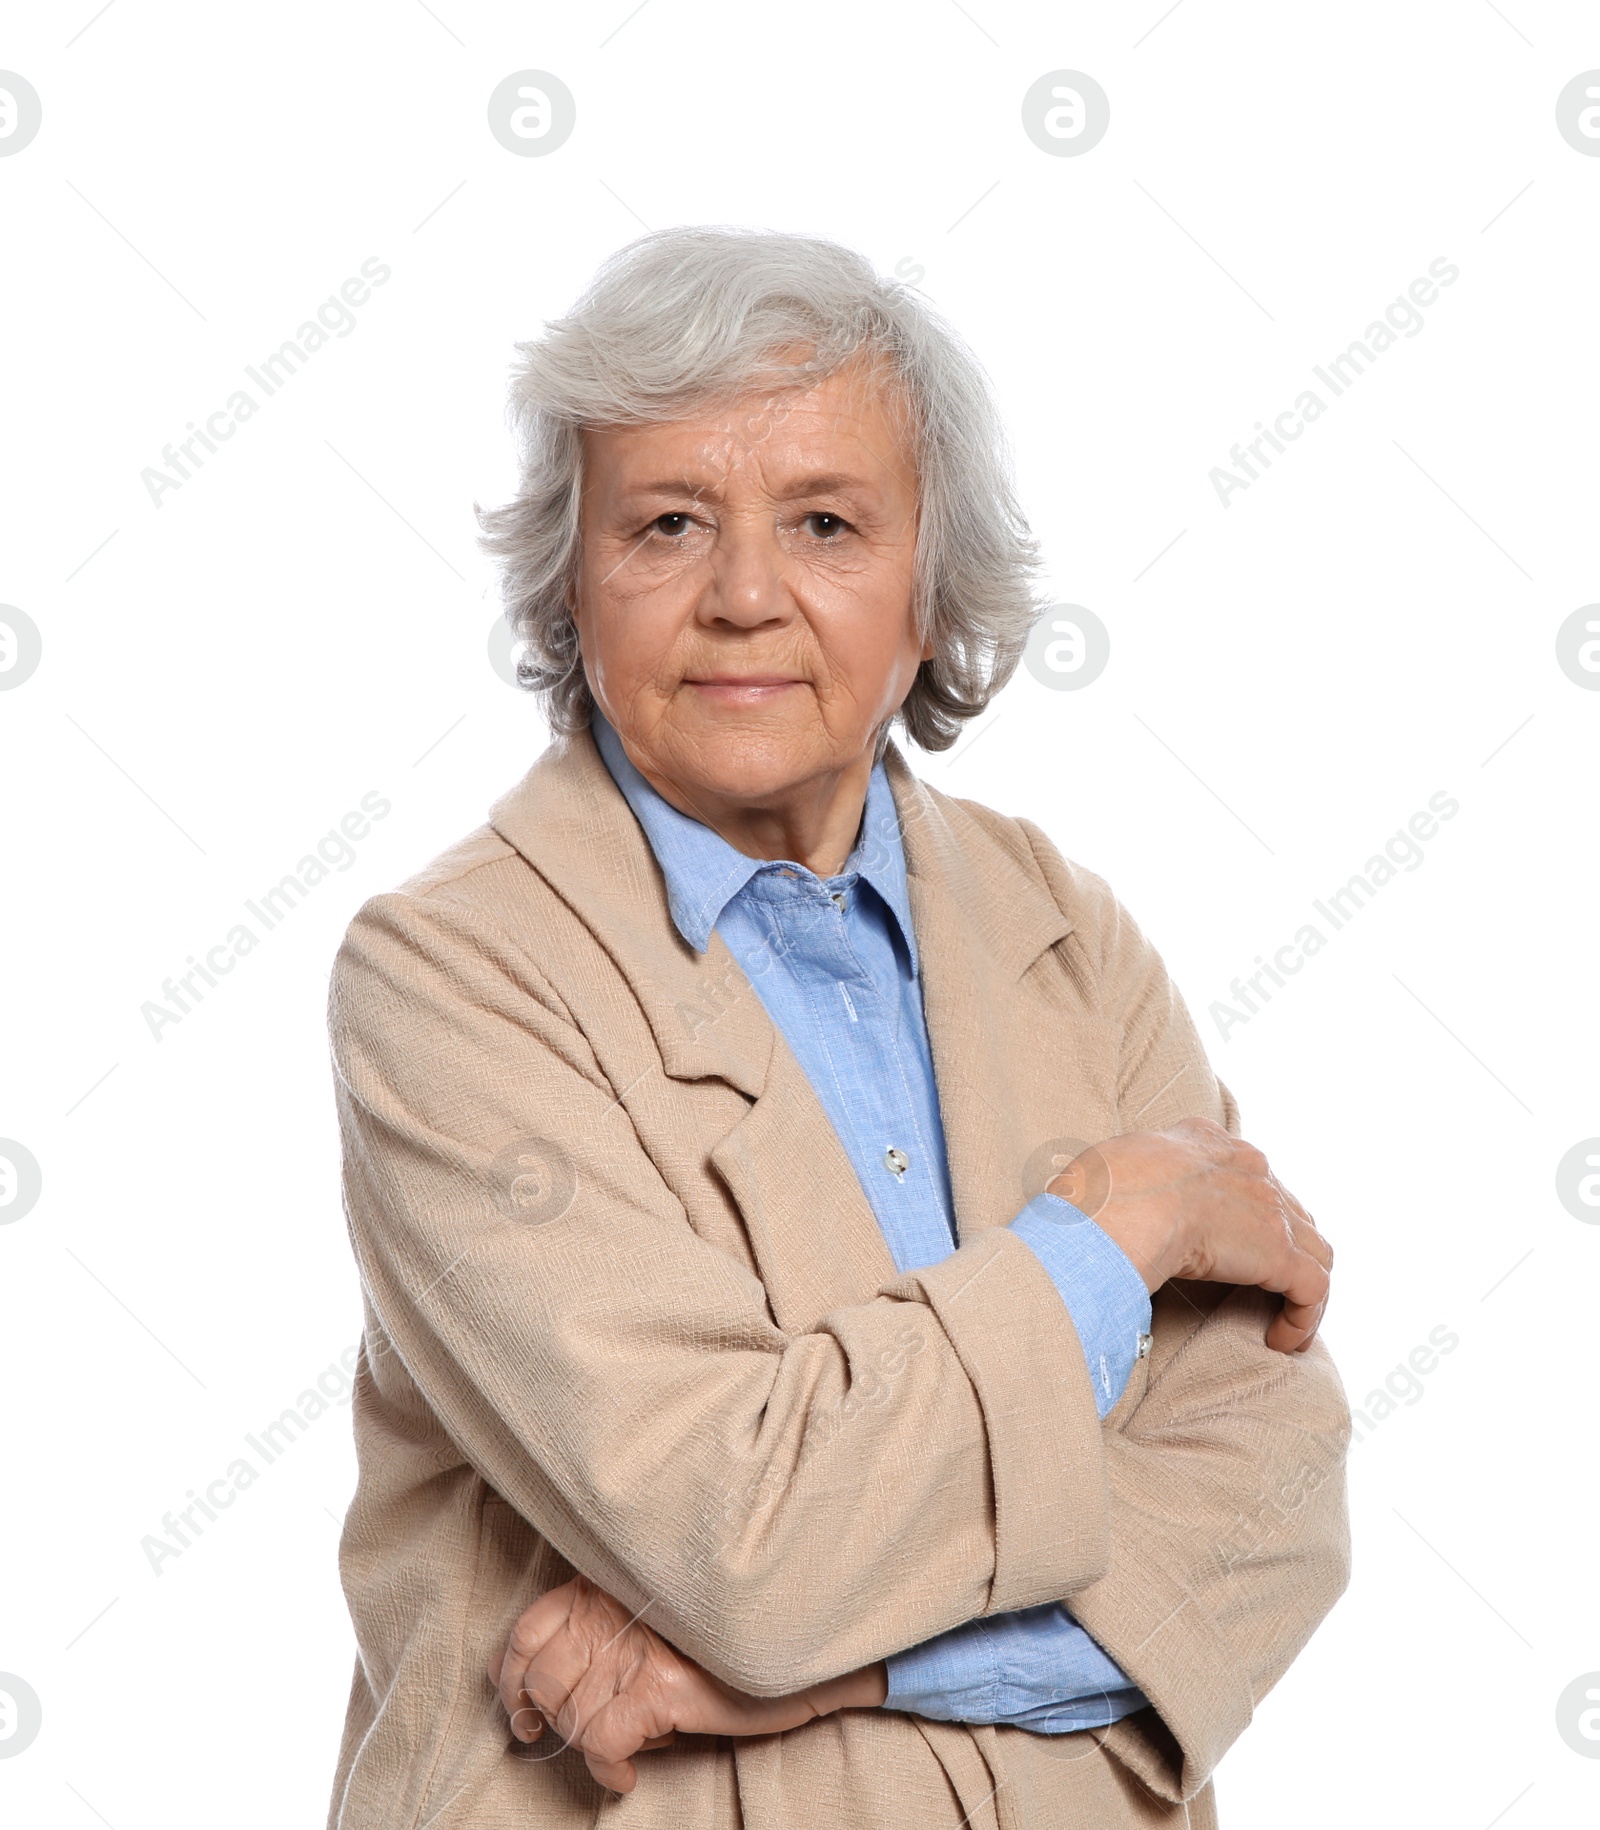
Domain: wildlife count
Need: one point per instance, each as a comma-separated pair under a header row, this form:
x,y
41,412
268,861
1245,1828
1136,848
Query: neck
x,y
814,823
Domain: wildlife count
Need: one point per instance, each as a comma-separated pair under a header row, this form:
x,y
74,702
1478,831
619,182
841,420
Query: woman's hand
x,y
1195,1201
581,1662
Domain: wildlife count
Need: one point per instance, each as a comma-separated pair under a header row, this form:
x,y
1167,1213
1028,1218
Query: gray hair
x,y
691,317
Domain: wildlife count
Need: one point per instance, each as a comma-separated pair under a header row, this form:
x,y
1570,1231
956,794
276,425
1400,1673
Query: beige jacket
x,y
628,1312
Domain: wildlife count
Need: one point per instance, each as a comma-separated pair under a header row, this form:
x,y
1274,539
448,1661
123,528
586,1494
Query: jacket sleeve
x,y
1229,1529
763,1498
1036,1666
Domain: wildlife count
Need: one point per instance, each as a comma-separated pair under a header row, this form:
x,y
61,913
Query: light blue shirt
x,y
834,961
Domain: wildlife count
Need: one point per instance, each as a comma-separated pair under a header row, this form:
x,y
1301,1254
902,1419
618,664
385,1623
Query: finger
x,y
1304,1283
1300,1278
614,1775
525,1721
1282,1337
564,1683
1307,1234
1306,1296
623,1724
1312,1245
1304,1239
1294,1328
525,1718
1288,1194
1307,1243
532,1632
528,1724
1310,1240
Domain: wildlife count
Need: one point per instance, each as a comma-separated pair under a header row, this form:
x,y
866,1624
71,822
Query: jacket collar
x,y
981,917
568,819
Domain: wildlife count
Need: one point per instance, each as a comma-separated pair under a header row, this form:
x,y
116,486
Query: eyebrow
x,y
819,483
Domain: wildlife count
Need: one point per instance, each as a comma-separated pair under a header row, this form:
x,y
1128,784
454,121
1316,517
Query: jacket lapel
x,y
810,1225
813,1233
569,820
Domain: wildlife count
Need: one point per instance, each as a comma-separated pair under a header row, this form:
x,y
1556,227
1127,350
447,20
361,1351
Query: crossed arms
x,y
604,1378
1188,1200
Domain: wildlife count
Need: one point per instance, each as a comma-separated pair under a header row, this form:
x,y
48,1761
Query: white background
x,y
305,620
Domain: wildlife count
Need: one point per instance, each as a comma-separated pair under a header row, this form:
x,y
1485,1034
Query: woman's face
x,y
744,599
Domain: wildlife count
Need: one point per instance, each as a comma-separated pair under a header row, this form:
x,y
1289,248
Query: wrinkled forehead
x,y
853,426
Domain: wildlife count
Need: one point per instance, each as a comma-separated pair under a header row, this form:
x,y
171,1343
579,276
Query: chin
x,y
739,762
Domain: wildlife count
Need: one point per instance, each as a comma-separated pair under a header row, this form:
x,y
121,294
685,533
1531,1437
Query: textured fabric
x,y
628,1311
834,961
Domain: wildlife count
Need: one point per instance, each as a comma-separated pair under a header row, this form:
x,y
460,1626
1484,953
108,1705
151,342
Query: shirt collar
x,y
704,873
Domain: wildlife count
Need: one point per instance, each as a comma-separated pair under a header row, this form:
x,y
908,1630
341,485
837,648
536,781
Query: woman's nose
x,y
747,583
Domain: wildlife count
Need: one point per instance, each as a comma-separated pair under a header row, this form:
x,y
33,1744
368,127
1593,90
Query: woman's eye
x,y
824,525
673,524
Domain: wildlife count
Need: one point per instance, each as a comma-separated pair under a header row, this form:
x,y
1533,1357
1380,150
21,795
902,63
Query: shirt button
x,y
896,1160
836,897
1144,1346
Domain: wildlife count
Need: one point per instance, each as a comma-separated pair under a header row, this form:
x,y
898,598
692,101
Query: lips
x,y
743,689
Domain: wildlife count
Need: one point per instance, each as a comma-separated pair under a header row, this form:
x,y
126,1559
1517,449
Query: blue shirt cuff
x,y
1035,1668
1104,1294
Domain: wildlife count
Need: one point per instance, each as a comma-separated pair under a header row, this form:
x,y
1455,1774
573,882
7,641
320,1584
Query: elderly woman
x,y
829,1357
